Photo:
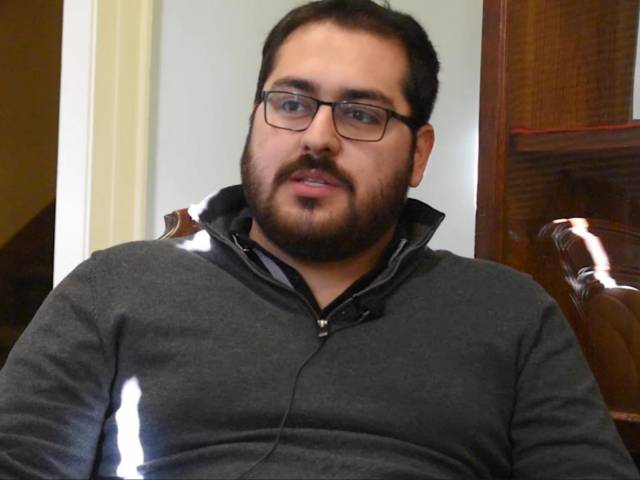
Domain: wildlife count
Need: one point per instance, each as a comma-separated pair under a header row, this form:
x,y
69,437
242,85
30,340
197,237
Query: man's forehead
x,y
326,59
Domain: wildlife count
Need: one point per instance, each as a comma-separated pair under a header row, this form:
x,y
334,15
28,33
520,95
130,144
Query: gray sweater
x,y
179,358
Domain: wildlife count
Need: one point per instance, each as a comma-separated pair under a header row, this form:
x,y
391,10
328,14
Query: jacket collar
x,y
219,211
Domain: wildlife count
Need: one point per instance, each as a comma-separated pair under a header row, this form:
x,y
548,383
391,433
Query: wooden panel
x,y
545,187
572,62
629,427
494,129
556,136
610,141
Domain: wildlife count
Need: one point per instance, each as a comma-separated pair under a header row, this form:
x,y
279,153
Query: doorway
x,y
30,59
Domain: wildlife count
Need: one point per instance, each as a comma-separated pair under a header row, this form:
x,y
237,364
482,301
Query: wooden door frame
x,y
493,130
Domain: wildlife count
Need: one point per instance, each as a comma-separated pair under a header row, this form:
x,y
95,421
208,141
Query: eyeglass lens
x,y
352,120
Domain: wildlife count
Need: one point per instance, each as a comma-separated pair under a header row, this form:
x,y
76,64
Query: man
x,y
307,331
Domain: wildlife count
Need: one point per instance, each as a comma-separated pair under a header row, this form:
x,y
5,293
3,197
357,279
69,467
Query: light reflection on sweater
x,y
128,422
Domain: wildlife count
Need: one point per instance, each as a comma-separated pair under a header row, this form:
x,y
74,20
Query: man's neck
x,y
327,280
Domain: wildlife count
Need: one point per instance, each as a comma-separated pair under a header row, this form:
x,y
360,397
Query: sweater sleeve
x,y
54,387
561,427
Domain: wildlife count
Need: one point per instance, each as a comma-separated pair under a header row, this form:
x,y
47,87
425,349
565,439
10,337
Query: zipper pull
x,y
237,242
323,327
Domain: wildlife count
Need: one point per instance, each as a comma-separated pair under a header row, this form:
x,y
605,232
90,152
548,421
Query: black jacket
x,y
444,367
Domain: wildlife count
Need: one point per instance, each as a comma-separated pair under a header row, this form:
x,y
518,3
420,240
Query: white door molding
x,y
73,186
104,124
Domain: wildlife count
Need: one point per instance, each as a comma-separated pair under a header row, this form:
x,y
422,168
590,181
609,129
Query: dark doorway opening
x,y
30,55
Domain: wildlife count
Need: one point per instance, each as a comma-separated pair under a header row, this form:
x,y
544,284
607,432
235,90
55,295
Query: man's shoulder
x,y
148,258
135,248
151,250
471,268
483,280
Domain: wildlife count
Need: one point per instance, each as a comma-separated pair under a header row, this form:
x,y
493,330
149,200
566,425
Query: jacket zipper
x,y
399,257
321,323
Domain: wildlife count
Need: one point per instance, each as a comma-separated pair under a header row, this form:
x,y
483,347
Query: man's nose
x,y
321,136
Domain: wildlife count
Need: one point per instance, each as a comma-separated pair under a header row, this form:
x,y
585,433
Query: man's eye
x,y
291,106
364,115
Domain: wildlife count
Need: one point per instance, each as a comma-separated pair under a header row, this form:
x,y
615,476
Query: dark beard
x,y
358,229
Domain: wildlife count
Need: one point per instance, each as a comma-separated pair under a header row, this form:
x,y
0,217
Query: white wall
x,y
206,65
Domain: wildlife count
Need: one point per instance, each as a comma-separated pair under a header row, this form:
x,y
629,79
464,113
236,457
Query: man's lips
x,y
316,178
309,172
312,183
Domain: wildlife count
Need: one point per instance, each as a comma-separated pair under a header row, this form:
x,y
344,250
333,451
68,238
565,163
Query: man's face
x,y
314,194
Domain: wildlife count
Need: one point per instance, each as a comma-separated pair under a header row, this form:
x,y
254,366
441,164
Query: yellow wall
x,y
121,121
30,38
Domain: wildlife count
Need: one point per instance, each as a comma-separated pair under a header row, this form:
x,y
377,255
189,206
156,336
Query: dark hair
x,y
421,84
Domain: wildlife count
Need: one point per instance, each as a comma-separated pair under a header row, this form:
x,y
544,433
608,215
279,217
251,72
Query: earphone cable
x,y
286,414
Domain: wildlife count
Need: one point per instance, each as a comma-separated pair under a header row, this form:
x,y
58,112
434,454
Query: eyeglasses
x,y
352,120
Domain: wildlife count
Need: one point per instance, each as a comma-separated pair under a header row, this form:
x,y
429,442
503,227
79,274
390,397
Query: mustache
x,y
309,162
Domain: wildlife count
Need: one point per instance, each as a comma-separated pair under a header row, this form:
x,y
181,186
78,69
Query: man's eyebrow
x,y
301,84
362,94
354,94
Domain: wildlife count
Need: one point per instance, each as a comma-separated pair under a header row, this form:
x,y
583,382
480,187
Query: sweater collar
x,y
221,210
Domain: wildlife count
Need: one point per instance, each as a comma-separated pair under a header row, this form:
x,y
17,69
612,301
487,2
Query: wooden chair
x,y
179,224
601,263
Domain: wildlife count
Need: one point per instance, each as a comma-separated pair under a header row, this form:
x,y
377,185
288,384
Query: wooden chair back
x,y
179,224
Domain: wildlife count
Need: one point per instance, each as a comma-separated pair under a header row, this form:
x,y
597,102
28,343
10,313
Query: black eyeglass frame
x,y
412,123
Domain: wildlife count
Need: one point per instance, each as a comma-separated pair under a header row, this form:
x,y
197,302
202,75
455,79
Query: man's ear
x,y
425,138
